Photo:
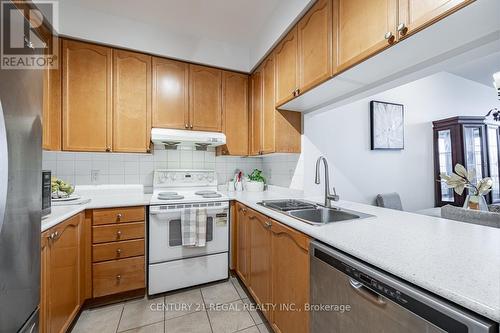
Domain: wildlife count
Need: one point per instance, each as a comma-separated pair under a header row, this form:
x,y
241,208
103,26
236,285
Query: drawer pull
x,y
119,216
118,252
118,278
118,234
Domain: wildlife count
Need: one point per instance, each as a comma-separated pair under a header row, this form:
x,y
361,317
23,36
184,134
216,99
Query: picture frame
x,y
386,126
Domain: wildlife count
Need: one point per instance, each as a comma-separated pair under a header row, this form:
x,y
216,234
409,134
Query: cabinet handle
x,y
118,216
191,126
268,224
118,252
118,234
118,277
298,92
403,29
186,125
389,36
108,149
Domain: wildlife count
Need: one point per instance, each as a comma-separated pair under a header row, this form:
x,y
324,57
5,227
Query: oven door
x,y
165,236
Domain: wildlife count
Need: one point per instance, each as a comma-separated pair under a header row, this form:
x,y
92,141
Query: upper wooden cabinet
x,y
87,102
415,15
235,113
315,45
205,98
363,28
51,116
268,106
286,68
131,101
170,94
255,123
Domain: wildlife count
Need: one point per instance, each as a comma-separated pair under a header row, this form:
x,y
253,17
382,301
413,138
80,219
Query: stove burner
x,y
205,192
169,196
212,195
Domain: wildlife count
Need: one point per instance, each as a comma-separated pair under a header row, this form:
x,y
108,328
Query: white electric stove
x,y
173,266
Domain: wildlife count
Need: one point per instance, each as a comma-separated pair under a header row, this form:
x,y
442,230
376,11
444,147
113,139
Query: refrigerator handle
x,y
4,167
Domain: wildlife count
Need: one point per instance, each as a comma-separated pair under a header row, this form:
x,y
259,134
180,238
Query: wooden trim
x,y
298,238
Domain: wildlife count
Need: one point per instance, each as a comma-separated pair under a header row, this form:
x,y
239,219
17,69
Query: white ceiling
x,y
232,34
480,70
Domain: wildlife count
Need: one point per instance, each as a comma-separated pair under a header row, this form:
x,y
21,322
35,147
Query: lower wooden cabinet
x,y
62,271
95,253
272,260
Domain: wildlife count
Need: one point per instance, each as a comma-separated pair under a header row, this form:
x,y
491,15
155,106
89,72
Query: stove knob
x,y
210,178
200,177
173,176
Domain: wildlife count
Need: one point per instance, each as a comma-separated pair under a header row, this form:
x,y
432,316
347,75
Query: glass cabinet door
x,y
474,150
445,163
493,159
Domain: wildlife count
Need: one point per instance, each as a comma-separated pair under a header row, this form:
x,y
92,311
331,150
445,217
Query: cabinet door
x,y
205,98
315,45
260,259
242,244
256,88
286,68
86,97
131,101
361,27
63,272
235,111
44,285
51,117
418,14
170,94
290,278
268,103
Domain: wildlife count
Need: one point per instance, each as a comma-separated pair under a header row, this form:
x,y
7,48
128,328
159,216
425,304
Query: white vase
x,y
252,186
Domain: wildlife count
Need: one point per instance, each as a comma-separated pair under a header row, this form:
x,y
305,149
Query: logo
x,y
27,35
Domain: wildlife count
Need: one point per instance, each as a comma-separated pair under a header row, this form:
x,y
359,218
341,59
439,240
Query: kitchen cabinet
x,y
131,102
170,94
118,253
51,113
242,244
256,94
260,259
290,278
62,272
315,39
268,106
235,114
272,131
273,263
415,15
87,102
286,57
205,98
363,28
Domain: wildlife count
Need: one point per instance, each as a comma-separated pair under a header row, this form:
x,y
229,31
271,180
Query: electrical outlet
x,y
94,176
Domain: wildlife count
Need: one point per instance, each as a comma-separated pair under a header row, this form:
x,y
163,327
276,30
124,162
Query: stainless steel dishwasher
x,y
377,301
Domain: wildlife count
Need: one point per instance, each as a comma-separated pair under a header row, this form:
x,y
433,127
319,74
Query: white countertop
x,y
458,261
455,260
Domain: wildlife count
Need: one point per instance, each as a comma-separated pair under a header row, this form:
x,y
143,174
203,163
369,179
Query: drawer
x,y
116,276
117,250
117,215
117,232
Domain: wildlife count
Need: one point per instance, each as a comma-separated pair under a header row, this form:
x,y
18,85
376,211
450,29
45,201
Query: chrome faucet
x,y
328,196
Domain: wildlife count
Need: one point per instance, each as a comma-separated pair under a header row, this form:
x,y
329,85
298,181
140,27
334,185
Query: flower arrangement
x,y
463,179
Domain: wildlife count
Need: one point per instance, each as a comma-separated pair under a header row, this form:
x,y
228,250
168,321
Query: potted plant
x,y
466,179
255,182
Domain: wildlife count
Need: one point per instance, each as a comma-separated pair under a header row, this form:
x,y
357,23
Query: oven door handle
x,y
210,210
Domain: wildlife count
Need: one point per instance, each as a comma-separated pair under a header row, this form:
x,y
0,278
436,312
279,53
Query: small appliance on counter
x,y
46,192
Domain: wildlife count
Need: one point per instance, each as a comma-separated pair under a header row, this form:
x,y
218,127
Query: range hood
x,y
172,138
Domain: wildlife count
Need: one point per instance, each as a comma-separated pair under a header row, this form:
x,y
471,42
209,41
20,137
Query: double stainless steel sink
x,y
312,213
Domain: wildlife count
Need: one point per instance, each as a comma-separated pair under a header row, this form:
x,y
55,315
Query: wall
x,y
283,170
359,174
113,168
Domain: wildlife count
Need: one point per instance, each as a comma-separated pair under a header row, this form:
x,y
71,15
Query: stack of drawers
x,y
118,263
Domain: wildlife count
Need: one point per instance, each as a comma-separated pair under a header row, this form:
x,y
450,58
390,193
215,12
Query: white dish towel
x,y
194,227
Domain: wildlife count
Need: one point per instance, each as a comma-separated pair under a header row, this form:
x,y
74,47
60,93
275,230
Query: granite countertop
x,y
455,260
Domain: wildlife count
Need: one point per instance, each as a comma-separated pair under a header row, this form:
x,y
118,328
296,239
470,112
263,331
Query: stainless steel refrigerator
x,y
20,198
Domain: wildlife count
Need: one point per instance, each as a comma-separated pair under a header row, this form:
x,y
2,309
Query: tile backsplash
x,y
282,169
113,168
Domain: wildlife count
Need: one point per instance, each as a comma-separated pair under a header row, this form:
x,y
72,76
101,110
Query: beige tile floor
x,y
213,308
